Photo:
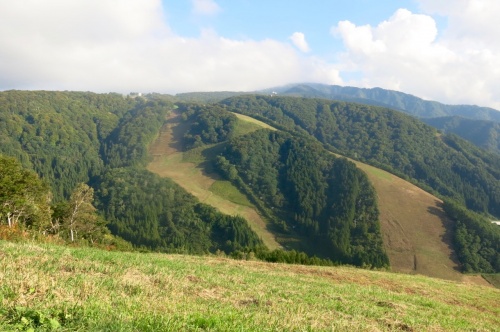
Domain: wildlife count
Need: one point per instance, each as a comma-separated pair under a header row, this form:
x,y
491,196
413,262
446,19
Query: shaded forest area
x,y
326,200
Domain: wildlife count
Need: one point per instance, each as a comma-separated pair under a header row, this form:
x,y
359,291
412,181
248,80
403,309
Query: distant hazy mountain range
x,y
479,125
393,99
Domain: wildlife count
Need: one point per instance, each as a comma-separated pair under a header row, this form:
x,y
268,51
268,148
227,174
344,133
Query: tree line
x,y
476,240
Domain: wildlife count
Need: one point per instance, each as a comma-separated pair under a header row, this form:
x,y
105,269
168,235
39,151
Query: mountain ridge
x,y
476,117
401,101
41,129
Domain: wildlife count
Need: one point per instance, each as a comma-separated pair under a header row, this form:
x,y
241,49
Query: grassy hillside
x,y
414,227
47,287
187,170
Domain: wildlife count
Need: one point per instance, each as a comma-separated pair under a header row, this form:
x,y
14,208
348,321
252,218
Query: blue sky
x,y
441,50
258,19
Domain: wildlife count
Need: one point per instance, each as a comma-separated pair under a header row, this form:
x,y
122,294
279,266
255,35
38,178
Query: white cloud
x,y
299,40
405,53
205,7
471,23
105,45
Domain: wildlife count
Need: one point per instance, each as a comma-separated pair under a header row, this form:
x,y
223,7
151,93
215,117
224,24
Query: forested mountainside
x,y
479,125
69,138
485,134
388,139
400,101
324,200
75,139
50,132
476,240
206,97
295,183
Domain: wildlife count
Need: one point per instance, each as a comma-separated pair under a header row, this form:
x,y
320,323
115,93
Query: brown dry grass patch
x,y
414,227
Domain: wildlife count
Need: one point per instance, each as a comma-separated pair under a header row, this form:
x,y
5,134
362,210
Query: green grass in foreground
x,y
47,287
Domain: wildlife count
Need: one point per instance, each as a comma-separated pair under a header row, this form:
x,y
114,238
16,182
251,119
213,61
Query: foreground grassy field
x,y
48,287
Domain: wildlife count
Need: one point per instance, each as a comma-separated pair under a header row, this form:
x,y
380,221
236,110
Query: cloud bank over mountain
x,y
105,45
406,53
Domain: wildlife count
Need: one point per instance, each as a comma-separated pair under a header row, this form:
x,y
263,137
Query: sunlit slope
x,y
187,170
53,288
413,226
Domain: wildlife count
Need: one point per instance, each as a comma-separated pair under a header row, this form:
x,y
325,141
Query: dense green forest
x,y
127,144
326,200
78,171
208,124
71,139
485,134
50,132
155,213
297,185
477,241
388,139
478,125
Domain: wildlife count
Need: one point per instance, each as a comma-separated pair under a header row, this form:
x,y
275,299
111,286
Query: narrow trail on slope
x,y
168,161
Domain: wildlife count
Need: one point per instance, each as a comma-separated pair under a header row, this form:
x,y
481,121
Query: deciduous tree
x,y
81,216
24,198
